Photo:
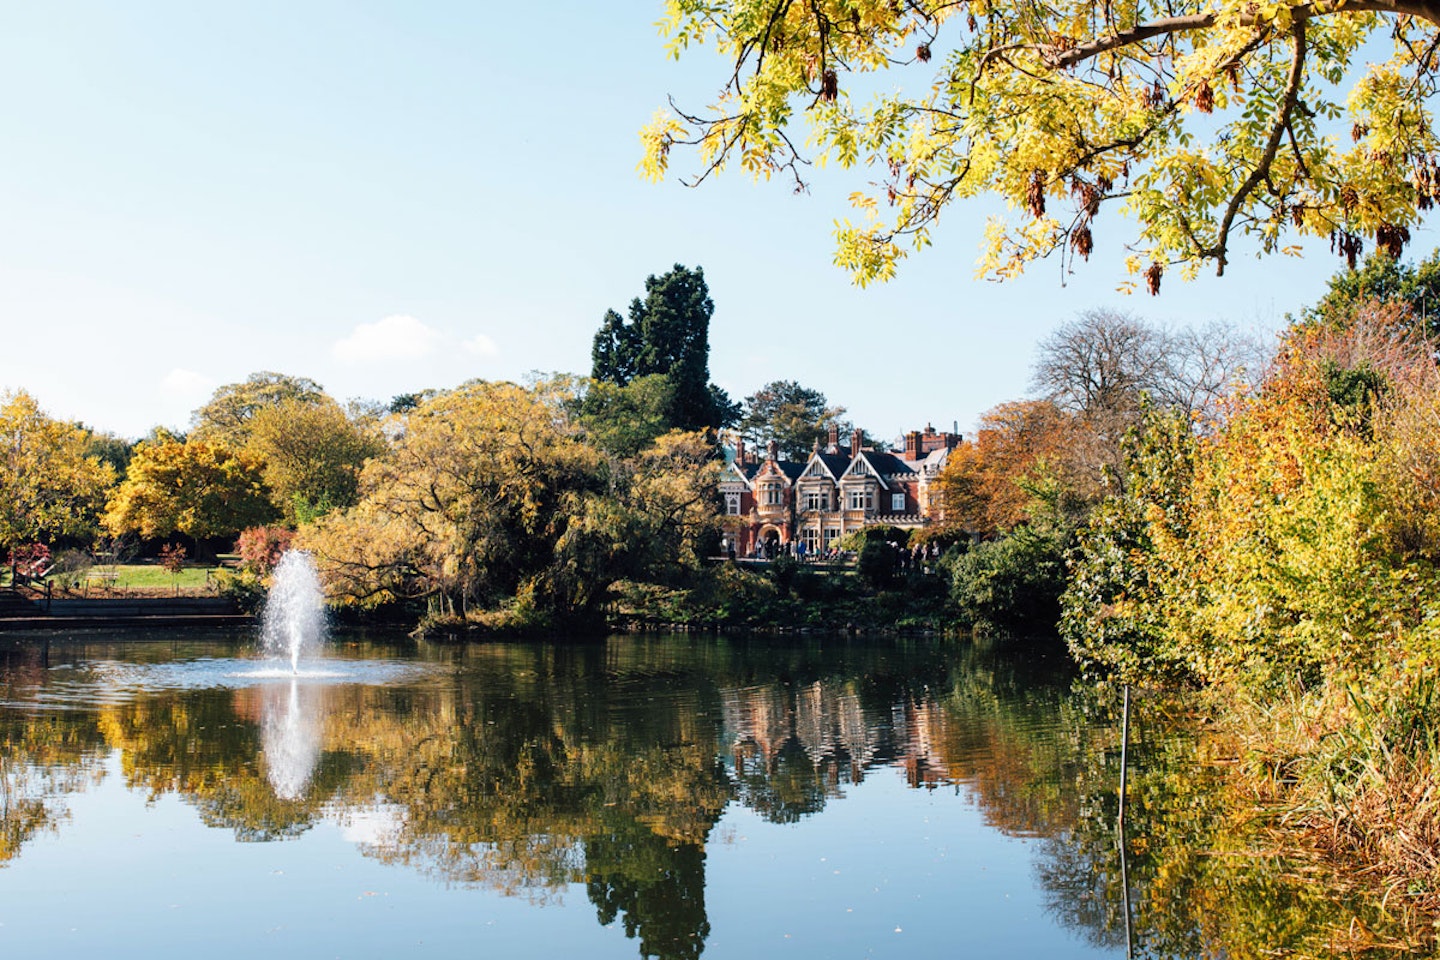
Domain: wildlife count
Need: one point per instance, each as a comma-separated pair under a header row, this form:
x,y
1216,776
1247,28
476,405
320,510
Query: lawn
x,y
140,578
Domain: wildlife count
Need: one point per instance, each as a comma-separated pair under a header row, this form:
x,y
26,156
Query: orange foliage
x,y
983,482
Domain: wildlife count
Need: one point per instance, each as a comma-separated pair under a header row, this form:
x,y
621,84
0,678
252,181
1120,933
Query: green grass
x,y
143,576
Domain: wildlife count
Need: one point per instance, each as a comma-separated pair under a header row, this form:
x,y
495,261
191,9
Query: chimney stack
x,y
772,450
832,443
740,451
855,438
913,450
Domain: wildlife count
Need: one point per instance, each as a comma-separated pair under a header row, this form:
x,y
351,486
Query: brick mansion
x,y
772,503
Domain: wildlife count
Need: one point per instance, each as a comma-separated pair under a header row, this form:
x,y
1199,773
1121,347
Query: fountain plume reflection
x,y
290,736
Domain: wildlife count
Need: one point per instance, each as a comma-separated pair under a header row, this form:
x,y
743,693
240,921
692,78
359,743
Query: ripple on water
x,y
100,683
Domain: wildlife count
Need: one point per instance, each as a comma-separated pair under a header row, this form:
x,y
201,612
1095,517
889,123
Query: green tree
x,y
227,415
51,484
1383,279
668,333
1084,106
623,420
794,416
199,488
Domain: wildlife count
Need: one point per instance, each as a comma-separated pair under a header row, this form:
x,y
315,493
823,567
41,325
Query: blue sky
x,y
385,197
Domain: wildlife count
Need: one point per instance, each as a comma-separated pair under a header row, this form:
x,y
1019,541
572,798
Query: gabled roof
x,y
835,464
880,465
789,469
888,465
932,461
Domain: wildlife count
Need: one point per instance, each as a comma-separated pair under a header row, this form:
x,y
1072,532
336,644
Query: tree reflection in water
x,y
536,770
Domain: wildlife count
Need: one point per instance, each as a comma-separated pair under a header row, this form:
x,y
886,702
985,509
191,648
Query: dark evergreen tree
x,y
616,352
668,332
1384,279
792,415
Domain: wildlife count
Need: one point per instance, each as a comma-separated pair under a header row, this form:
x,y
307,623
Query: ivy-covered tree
x,y
667,333
1383,279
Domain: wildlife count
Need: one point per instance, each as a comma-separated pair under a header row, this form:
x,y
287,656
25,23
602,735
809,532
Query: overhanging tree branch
x,y
1272,147
1070,56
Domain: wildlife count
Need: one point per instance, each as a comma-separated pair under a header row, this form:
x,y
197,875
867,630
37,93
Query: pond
x,y
656,797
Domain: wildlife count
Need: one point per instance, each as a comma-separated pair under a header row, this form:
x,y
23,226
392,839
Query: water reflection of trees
x,y
535,771
44,756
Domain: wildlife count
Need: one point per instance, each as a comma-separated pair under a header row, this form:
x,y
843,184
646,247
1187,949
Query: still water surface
x,y
669,797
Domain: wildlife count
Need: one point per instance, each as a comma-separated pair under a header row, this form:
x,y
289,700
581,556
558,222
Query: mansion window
x,y
897,502
817,500
862,499
774,495
732,504
831,535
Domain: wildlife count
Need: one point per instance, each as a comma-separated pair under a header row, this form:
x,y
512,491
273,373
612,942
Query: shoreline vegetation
x,y
1190,513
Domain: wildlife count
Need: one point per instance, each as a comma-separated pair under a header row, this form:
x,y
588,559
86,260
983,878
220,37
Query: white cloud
x,y
187,383
481,346
397,337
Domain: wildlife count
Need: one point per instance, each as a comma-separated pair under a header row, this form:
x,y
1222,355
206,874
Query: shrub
x,y
260,548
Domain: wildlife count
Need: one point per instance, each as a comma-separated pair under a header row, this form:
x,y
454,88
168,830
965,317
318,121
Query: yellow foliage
x,y
1075,104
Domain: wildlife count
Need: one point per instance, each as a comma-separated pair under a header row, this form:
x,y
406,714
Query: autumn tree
x,y
1200,121
312,455
199,488
469,507
228,413
987,482
51,483
792,415
667,333
492,507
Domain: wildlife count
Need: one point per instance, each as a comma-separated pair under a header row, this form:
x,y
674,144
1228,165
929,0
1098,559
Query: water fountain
x,y
294,622
295,610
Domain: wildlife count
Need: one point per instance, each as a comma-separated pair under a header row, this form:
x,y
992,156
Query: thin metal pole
x,y
1120,824
1124,751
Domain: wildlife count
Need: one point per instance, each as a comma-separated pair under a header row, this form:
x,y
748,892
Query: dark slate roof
x,y
746,470
888,465
791,469
836,463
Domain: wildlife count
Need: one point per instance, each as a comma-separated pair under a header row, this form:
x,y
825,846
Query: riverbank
x,y
47,613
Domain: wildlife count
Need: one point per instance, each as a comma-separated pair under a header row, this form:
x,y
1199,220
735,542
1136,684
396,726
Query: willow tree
x,y
1202,121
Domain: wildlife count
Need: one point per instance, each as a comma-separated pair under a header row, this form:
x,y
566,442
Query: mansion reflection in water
x,y
830,725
